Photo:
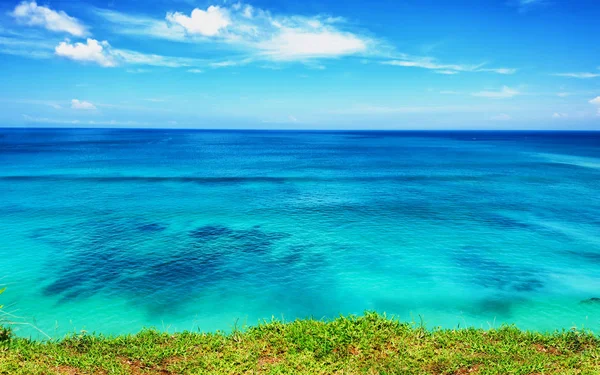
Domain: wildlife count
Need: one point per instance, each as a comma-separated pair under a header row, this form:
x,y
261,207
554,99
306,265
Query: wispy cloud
x,y
31,14
433,64
46,120
262,35
82,104
30,47
102,53
525,5
581,75
505,92
596,101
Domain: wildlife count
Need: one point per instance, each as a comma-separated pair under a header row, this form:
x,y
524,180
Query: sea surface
x,y
111,231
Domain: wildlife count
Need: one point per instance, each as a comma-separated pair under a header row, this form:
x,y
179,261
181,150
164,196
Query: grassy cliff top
x,y
370,344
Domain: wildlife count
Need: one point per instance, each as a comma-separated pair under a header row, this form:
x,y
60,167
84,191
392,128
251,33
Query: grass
x,y
369,344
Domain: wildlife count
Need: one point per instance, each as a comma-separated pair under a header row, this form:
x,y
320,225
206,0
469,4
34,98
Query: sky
x,y
301,64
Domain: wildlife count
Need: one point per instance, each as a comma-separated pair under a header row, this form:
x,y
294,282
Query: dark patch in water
x,y
152,227
112,256
503,222
210,232
587,255
591,301
495,306
490,273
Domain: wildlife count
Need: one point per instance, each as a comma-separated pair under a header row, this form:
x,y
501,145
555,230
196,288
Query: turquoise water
x,y
115,230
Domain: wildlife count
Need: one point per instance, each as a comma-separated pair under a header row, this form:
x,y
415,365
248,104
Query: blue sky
x,y
412,64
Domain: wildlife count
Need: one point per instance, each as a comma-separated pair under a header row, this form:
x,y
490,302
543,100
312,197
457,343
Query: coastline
x,y
368,344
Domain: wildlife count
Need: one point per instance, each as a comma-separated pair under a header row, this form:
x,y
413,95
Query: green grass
x,y
370,344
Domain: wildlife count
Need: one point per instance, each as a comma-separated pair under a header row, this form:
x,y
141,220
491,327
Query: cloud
x,y
432,64
91,51
195,71
103,54
83,105
505,92
204,22
299,44
498,70
563,94
583,75
143,26
501,117
137,58
560,115
223,64
525,5
31,14
138,71
46,120
596,101
254,31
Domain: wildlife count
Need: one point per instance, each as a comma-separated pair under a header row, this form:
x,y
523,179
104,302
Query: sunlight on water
x,y
115,230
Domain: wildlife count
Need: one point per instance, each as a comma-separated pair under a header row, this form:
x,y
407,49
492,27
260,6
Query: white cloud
x,y
46,120
260,34
223,64
505,92
447,72
498,70
595,101
432,64
91,51
583,75
248,11
82,104
138,71
104,55
501,117
31,14
137,58
560,115
299,44
525,5
195,71
143,25
429,63
204,22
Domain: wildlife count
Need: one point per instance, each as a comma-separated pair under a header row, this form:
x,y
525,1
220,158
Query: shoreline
x,y
371,343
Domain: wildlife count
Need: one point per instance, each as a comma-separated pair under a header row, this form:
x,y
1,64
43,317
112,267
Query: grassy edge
x,y
367,344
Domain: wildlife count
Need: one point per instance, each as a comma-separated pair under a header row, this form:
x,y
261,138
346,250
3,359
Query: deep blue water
x,y
115,230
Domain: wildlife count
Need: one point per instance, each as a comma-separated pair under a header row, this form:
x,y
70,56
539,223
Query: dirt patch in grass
x,y
468,370
68,370
136,367
546,349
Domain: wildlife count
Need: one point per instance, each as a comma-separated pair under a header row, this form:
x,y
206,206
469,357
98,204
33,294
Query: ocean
x,y
111,231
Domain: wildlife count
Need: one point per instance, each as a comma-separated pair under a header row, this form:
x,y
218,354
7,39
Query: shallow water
x,y
115,230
